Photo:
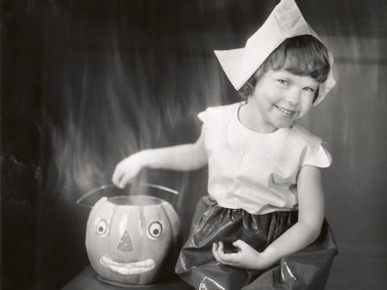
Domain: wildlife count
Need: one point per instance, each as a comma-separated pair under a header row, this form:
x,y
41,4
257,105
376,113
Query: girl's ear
x,y
246,90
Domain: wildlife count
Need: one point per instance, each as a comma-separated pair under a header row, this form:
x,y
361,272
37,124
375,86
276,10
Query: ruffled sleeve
x,y
218,115
319,158
208,118
211,118
215,121
203,116
209,114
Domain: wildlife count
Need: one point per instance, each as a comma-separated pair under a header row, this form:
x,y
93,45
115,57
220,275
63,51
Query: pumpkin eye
x,y
155,230
101,227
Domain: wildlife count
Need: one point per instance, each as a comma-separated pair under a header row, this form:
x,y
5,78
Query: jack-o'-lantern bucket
x,y
132,239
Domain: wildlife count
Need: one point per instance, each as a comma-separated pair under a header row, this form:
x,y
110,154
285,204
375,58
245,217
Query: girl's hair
x,y
302,55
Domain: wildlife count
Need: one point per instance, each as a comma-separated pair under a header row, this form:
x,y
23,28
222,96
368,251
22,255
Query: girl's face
x,y
279,99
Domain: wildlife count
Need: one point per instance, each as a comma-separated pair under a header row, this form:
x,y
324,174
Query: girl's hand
x,y
246,258
127,169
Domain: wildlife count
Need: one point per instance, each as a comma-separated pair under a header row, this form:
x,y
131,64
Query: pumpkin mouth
x,y
127,268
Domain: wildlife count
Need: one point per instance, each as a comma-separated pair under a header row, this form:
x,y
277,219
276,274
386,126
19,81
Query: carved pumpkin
x,y
132,239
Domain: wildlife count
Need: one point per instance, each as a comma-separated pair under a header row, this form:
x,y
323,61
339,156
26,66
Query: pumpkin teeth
x,y
128,268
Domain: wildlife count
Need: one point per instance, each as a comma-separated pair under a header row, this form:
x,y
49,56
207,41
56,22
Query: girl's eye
x,y
283,82
155,230
310,90
101,227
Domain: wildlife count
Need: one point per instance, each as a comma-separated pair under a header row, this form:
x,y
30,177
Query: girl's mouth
x,y
286,112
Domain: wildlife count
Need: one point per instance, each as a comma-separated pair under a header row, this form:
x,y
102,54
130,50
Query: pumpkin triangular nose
x,y
125,244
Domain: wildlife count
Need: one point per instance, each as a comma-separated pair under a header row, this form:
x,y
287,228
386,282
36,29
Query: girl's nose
x,y
293,96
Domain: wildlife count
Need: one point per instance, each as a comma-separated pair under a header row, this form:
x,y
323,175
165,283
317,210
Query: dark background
x,y
86,83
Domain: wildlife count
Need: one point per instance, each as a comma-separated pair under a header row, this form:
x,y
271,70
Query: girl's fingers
x,y
221,249
124,180
240,244
121,184
215,252
224,257
117,174
118,180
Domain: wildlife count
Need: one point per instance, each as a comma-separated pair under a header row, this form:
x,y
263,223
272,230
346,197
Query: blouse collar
x,y
249,141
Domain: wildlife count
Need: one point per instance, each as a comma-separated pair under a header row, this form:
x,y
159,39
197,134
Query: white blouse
x,y
253,171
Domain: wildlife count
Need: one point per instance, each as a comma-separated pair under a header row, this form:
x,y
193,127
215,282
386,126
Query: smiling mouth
x,y
285,112
127,268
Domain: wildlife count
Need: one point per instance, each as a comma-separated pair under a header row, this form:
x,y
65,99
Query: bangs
x,y
302,55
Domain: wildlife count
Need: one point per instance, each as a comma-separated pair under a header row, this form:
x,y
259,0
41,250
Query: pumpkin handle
x,y
160,187
91,192
106,186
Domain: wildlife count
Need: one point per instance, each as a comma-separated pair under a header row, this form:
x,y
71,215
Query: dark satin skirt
x,y
306,269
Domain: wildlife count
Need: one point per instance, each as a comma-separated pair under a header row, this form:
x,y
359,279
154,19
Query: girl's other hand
x,y
247,257
126,170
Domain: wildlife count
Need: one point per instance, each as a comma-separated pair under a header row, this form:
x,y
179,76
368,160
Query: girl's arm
x,y
300,235
182,157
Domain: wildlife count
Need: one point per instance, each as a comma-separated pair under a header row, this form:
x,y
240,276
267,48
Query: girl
x,y
262,225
